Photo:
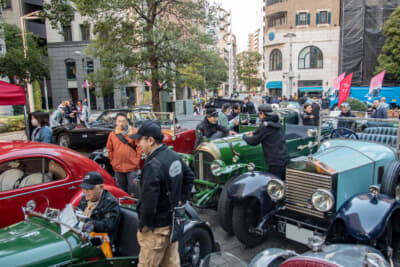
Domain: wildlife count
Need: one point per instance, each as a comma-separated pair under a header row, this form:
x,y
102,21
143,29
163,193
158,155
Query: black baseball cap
x,y
149,129
211,112
91,179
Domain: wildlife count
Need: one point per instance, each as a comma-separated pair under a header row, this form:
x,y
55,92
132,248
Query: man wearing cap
x,y
166,182
270,135
99,206
210,128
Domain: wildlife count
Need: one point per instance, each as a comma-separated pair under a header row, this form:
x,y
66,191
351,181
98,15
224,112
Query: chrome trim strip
x,y
42,189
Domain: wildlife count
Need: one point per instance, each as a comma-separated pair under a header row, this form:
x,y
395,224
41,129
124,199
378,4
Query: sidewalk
x,y
11,136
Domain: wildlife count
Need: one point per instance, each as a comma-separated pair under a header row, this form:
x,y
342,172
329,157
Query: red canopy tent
x,y
11,94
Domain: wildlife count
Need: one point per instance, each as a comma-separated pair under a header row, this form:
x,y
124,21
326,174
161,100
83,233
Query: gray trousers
x,y
129,182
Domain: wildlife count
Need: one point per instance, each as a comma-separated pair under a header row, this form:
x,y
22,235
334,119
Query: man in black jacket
x,y
210,128
166,182
248,106
99,205
270,135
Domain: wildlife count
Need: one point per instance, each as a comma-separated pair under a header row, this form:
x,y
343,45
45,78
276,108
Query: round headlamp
x,y
235,159
276,189
186,161
322,200
251,166
216,166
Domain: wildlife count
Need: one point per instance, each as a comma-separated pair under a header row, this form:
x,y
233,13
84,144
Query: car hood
x,y
340,155
31,243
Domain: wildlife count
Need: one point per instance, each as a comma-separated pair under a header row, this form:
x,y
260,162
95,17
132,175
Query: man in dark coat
x,y
99,205
166,182
210,128
271,137
248,106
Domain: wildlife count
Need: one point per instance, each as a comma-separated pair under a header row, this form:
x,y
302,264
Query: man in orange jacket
x,y
125,156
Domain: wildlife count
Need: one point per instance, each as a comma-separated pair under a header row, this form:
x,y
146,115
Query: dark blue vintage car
x,y
348,191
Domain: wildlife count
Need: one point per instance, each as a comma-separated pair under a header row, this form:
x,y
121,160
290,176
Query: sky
x,y
246,18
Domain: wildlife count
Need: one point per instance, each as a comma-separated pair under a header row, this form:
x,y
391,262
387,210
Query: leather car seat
x,y
379,138
381,130
56,171
126,243
33,179
9,177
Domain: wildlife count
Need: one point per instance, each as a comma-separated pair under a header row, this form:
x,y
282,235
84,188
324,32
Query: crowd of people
x,y
69,112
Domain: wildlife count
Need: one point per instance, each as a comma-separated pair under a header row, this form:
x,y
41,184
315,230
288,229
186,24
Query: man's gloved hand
x,y
88,227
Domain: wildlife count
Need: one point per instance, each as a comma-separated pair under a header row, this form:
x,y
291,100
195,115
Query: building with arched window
x,y
301,46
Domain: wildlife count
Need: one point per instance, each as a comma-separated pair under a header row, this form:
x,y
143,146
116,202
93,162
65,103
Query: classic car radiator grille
x,y
300,186
202,167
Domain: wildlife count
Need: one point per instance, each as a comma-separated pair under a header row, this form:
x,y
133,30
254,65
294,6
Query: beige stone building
x,y
301,45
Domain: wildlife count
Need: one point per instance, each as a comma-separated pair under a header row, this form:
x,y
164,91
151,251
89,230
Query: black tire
x,y
225,210
246,215
194,246
391,178
64,140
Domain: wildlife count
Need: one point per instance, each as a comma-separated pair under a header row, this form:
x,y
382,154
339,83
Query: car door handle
x,y
72,188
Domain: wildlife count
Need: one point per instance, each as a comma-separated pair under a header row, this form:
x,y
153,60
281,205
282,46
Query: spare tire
x,y
391,179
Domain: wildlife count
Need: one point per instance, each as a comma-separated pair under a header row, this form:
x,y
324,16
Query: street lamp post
x,y
32,15
290,73
78,53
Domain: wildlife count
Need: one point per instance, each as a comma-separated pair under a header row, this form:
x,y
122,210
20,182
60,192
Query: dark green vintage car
x,y
49,239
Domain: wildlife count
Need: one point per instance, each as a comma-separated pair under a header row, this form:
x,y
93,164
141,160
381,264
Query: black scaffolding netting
x,y
362,38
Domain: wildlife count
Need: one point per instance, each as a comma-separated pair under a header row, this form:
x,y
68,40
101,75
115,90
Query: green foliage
x,y
356,105
58,12
12,123
389,59
142,39
37,95
207,70
247,68
14,63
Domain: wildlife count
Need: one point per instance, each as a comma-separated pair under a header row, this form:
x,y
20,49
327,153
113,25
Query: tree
x,y
14,64
207,70
389,59
145,39
247,67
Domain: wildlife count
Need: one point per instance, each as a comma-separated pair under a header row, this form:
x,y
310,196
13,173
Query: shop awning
x,y
311,89
11,94
274,84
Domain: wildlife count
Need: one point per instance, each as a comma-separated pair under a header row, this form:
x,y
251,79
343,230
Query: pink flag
x,y
345,85
336,82
376,82
148,83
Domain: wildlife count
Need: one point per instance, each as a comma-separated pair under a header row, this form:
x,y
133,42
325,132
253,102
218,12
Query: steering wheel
x,y
343,133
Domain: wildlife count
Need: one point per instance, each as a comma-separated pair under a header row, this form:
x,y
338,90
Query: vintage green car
x,y
54,238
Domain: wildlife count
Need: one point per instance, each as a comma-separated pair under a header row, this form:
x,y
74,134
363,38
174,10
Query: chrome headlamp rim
x,y
235,159
216,166
277,185
105,152
326,192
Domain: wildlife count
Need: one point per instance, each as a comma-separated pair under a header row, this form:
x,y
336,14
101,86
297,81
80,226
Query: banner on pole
x,y
376,83
336,82
344,90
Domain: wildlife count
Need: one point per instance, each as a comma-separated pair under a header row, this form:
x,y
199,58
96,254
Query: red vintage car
x,y
46,173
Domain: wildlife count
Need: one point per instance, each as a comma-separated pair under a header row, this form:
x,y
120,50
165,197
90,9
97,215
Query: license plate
x,y
297,234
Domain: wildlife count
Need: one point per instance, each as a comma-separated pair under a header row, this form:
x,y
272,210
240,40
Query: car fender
x,y
115,191
251,184
365,216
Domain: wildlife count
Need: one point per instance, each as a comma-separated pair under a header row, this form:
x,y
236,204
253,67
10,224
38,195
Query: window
x,y
302,18
277,19
272,2
309,83
29,171
85,32
310,58
67,33
89,65
70,69
6,4
275,60
323,17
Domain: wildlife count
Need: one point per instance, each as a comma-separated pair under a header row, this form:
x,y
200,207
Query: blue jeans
x,y
129,182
